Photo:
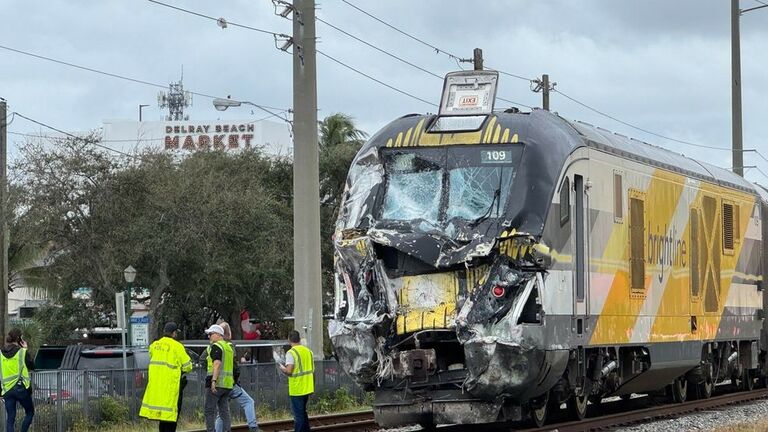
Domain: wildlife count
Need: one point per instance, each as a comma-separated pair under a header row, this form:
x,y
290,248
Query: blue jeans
x,y
246,403
23,396
299,409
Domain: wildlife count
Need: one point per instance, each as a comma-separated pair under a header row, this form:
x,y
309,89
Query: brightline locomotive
x,y
491,266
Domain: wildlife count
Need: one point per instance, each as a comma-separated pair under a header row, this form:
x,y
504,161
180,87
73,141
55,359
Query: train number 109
x,y
495,156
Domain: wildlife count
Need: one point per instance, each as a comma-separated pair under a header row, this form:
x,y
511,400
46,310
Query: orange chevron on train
x,y
492,265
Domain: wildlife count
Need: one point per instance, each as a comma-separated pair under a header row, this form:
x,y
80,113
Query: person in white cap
x,y
219,380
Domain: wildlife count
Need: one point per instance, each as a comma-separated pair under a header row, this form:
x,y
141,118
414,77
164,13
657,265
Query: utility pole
x,y
545,92
307,283
737,146
477,58
543,85
3,219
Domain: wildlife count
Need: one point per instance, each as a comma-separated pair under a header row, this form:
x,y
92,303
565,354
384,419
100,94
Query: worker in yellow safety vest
x,y
219,380
15,364
168,364
299,367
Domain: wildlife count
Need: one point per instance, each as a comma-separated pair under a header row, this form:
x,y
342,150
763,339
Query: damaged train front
x,y
438,304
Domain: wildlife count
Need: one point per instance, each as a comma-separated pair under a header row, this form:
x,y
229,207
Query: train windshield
x,y
448,185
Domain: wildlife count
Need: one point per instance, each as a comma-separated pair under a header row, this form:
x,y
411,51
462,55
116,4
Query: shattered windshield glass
x,y
437,185
414,190
477,191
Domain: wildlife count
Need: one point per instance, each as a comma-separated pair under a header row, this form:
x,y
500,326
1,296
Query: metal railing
x,y
66,399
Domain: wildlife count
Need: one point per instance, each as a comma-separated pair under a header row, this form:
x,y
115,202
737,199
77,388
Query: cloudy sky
x,y
659,65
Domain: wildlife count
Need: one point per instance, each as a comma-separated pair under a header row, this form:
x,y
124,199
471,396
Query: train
x,y
498,265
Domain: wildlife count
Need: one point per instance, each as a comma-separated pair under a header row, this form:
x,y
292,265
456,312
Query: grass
x,y
323,403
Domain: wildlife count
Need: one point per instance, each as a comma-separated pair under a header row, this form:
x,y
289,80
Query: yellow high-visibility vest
x,y
226,378
14,369
302,380
168,360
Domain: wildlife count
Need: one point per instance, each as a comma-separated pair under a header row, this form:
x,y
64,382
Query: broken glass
x,y
473,192
414,189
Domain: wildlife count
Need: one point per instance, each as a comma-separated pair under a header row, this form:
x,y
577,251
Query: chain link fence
x,y
65,399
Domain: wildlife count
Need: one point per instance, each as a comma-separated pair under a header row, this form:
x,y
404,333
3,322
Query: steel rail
x,y
352,421
625,418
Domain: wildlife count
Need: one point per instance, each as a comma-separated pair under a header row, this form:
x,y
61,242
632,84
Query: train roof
x,y
653,155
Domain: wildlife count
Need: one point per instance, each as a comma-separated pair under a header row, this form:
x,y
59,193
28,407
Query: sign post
x,y
120,309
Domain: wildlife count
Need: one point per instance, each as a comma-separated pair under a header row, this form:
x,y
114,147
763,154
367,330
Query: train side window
x,y
695,235
565,202
637,243
618,198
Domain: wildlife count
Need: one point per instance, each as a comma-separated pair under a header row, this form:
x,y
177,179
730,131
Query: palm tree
x,y
339,142
27,267
339,129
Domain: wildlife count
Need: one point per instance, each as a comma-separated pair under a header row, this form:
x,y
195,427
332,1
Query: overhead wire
x,y
636,127
437,50
124,77
318,51
73,136
389,86
423,42
226,22
378,49
402,60
453,56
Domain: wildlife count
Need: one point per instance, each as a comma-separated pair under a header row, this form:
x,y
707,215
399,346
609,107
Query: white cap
x,y
215,329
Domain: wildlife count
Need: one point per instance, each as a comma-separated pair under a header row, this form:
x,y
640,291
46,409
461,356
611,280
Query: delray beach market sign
x,y
272,137
206,136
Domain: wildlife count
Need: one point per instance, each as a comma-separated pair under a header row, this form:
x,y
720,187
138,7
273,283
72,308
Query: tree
x,y
208,233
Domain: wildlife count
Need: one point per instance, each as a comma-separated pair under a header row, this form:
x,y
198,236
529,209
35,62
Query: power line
x,y
379,49
87,141
758,170
637,127
391,87
118,76
221,21
403,32
757,152
401,59
427,44
318,51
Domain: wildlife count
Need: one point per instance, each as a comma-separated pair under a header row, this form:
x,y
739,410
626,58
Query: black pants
x,y
166,426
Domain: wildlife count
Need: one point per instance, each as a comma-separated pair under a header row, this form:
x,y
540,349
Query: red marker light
x,y
498,291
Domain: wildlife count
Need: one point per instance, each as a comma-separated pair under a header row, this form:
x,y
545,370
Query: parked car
x,y
67,385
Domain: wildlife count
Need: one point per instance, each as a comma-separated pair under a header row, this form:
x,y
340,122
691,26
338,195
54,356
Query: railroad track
x,y
625,415
611,421
354,421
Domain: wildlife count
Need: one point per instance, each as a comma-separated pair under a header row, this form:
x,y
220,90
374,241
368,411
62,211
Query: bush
x,y
336,401
111,410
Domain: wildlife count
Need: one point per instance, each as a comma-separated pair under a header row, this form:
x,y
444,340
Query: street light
x,y
223,104
130,275
140,107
